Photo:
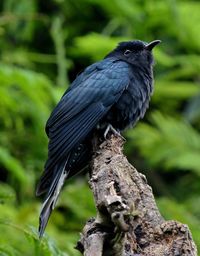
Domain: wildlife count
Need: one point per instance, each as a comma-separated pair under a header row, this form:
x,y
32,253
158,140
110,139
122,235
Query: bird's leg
x,y
110,128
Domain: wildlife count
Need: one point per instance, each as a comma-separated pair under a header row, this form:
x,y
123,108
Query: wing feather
x,y
81,108
73,133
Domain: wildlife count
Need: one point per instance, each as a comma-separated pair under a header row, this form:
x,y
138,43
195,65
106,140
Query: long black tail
x,y
52,196
53,179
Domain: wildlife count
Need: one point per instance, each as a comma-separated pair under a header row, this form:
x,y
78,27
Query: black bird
x,y
110,94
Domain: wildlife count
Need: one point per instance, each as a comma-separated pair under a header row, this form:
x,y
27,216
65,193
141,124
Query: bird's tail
x,y
52,196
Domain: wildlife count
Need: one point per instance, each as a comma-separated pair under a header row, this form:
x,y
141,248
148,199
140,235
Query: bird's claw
x,y
110,128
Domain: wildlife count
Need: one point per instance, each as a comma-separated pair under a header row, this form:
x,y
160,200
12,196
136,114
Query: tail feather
x,y
52,197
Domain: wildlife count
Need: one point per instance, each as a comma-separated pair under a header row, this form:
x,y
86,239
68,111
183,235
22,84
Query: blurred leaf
x,y
13,166
19,14
8,250
95,46
192,111
174,143
26,98
7,194
44,247
189,34
175,90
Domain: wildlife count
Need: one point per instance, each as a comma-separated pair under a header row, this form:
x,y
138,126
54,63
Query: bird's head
x,y
135,52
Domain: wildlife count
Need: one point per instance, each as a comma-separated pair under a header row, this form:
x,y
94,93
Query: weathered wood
x,y
128,221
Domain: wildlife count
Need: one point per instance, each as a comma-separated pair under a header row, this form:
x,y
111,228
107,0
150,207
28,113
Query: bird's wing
x,y
89,98
100,82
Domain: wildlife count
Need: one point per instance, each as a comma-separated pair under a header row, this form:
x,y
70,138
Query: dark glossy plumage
x,y
113,91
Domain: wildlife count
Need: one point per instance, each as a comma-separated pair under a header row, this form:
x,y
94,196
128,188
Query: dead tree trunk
x,y
128,221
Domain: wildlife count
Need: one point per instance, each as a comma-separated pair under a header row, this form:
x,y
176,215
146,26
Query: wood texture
x,y
128,221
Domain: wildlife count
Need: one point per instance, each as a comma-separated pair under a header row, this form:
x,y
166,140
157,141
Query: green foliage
x,y
175,143
19,223
43,46
25,100
86,45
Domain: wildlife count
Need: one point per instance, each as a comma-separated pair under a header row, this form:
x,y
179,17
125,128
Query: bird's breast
x,y
130,107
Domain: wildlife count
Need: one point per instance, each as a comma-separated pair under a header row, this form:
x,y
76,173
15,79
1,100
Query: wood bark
x,y
128,222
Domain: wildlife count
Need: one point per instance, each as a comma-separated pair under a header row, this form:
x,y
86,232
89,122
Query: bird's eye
x,y
127,52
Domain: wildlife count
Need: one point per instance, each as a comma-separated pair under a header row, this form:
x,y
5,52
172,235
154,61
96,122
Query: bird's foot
x,y
110,128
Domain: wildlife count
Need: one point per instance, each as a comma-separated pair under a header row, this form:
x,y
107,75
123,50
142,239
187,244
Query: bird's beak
x,y
152,44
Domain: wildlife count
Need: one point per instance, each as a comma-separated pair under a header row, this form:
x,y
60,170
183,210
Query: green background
x,y
43,46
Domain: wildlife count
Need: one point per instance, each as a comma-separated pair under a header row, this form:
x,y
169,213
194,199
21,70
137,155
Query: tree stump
x,y
128,222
